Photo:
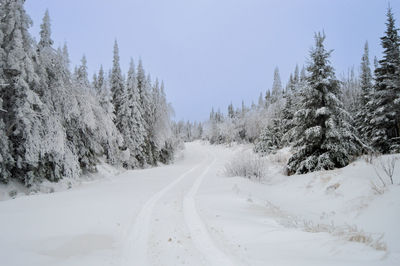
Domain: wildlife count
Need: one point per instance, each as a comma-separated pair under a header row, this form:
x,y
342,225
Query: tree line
x,y
328,122
56,123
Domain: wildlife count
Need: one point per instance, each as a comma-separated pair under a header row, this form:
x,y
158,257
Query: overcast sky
x,y
213,52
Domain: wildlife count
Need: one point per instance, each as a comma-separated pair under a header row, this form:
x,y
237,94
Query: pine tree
x,y
267,98
100,82
143,86
231,112
290,108
26,117
277,90
6,160
350,92
296,76
117,86
303,76
364,114
65,56
385,135
138,132
82,74
324,136
45,31
270,139
150,121
261,103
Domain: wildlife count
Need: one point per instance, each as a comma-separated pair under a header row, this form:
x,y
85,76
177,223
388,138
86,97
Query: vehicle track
x,y
135,248
198,231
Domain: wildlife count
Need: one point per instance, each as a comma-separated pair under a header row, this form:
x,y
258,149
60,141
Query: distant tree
x,y
261,103
364,114
289,108
303,75
144,86
117,86
296,76
350,92
82,74
267,98
45,31
277,90
270,139
231,111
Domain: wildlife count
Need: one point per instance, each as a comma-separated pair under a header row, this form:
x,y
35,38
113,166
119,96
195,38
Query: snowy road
x,y
183,214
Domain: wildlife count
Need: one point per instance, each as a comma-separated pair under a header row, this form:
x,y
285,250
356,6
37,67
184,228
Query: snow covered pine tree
x,y
385,105
325,138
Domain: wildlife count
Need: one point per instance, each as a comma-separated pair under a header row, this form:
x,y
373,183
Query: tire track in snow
x,y
199,234
135,249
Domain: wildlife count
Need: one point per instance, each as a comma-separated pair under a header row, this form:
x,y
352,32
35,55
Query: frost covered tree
x,y
117,85
385,135
261,103
324,137
81,74
52,125
6,160
289,108
103,94
137,130
364,113
26,116
45,31
270,139
144,85
277,90
350,92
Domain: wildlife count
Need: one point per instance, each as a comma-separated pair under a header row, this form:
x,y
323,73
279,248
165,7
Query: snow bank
x,y
352,203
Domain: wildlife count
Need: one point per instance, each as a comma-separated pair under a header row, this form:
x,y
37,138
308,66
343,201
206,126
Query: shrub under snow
x,y
246,164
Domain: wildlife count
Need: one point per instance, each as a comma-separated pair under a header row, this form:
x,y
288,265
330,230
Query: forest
x,y
327,121
56,123
96,169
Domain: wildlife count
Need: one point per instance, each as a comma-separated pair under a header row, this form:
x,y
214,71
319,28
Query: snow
x,y
190,213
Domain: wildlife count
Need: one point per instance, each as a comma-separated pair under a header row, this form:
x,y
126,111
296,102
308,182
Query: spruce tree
x,y
270,138
385,135
137,131
6,160
45,31
82,74
290,107
261,103
296,76
26,115
364,106
231,112
143,86
324,136
277,90
267,98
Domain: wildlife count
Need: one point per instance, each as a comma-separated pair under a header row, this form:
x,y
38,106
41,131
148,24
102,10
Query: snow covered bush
x,y
385,167
246,164
270,139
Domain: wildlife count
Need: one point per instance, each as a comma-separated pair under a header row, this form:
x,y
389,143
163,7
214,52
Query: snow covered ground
x,y
190,213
